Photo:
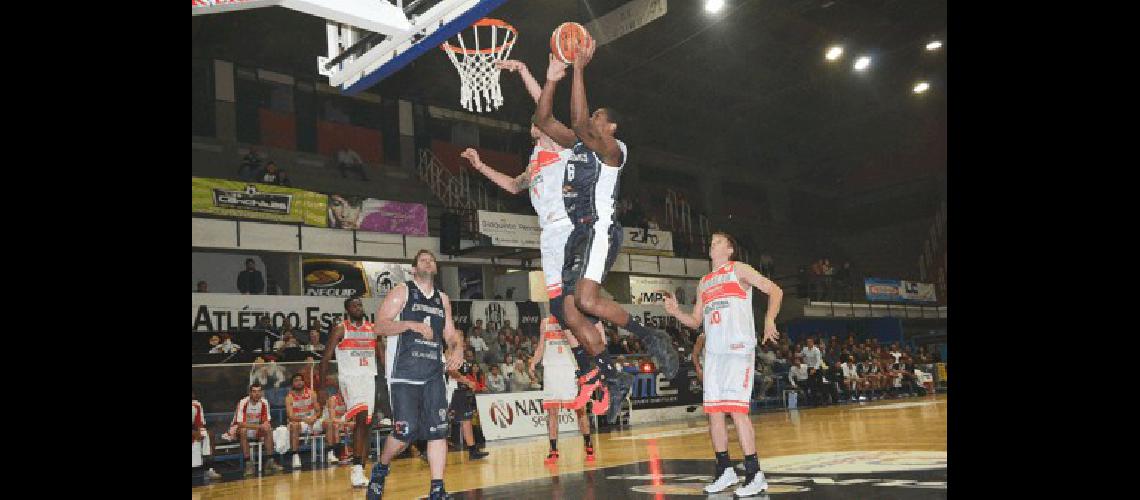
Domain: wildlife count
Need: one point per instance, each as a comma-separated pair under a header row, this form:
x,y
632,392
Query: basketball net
x,y
478,76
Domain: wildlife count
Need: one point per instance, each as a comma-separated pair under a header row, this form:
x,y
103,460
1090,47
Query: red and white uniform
x,y
249,412
202,446
730,341
305,406
546,171
356,368
559,388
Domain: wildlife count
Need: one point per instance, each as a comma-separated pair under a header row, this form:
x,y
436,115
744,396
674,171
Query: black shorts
x,y
462,404
419,411
591,251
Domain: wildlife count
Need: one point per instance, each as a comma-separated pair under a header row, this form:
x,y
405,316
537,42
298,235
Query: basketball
x,y
565,39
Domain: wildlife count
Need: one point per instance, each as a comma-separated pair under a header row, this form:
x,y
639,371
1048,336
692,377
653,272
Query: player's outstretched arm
x,y
691,319
511,185
605,145
532,86
750,276
544,113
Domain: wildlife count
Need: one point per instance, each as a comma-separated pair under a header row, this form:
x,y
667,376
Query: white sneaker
x,y
758,485
726,479
212,475
332,457
357,476
296,461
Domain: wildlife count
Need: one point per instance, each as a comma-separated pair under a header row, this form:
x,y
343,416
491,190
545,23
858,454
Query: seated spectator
x,y
250,166
252,420
496,383
270,175
214,342
798,374
347,159
334,411
202,451
765,377
852,379
266,372
226,347
303,416
313,342
520,379
202,288
288,341
476,342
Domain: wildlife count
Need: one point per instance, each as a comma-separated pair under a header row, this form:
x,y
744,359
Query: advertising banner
x,y
652,289
656,242
509,230
882,290
380,216
918,293
518,414
250,200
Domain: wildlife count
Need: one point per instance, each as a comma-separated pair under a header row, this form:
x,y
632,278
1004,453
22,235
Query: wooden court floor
x,y
805,443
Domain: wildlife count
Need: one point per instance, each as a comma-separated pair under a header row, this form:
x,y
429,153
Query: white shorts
x,y
728,382
317,427
197,454
552,245
559,387
359,392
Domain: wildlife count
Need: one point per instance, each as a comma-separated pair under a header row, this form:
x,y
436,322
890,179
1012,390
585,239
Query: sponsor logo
x,y
856,462
253,200
502,414
442,414
324,277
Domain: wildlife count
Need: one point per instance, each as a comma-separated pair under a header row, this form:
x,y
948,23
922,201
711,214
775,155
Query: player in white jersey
x,y
354,342
252,420
559,389
202,451
303,414
543,179
724,300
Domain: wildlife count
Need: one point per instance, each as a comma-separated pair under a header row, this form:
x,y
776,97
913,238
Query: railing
x,y
680,220
456,191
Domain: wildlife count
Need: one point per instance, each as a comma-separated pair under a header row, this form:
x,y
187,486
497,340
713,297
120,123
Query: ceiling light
x,y
862,63
921,87
935,45
713,6
835,52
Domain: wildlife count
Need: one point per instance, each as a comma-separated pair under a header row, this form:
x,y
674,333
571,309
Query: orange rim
x,y
486,21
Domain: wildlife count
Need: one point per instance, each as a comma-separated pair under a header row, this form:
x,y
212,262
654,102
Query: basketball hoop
x,y
478,76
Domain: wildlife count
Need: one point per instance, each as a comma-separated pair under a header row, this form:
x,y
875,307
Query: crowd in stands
x,y
828,371
823,281
255,167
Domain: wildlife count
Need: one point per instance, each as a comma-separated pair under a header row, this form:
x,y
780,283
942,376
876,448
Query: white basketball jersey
x,y
729,327
556,352
546,171
356,352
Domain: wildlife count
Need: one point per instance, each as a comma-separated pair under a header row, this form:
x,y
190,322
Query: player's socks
x,y
722,462
751,467
553,445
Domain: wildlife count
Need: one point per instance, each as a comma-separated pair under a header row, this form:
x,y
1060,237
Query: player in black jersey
x,y
589,191
419,317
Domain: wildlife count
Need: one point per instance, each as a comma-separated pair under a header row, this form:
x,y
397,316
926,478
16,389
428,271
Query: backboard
x,y
368,40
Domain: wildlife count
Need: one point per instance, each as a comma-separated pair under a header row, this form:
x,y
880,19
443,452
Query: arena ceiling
x,y
746,90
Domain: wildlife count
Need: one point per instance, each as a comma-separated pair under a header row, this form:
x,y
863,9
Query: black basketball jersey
x,y
590,187
411,357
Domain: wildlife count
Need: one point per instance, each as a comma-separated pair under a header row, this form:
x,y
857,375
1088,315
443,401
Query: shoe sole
x,y
742,495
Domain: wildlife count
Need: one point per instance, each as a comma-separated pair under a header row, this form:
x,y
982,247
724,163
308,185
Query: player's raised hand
x,y
511,65
584,52
671,305
472,156
556,70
